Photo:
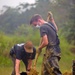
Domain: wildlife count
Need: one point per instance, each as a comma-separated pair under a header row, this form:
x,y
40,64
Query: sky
x,y
14,3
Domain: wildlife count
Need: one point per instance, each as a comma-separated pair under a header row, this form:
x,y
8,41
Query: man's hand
x,y
27,72
17,73
39,50
34,67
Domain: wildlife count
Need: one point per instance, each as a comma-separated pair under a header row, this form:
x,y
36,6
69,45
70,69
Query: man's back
x,y
21,54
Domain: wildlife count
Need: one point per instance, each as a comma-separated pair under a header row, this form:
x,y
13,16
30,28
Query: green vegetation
x,y
66,56
6,42
14,28
14,19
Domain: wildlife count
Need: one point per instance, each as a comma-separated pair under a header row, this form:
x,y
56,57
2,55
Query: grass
x,y
66,56
6,64
5,70
65,65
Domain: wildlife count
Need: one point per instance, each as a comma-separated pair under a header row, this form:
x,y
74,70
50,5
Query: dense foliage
x,y
11,19
15,28
6,42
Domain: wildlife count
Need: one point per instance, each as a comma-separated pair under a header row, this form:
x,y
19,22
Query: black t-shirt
x,y
45,29
21,54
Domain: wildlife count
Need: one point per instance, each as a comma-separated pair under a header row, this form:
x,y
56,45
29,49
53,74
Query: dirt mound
x,y
67,73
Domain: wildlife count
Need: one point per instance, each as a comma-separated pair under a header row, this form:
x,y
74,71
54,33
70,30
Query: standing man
x,y
25,52
49,39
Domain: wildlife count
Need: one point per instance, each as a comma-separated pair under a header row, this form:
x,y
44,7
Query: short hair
x,y
35,18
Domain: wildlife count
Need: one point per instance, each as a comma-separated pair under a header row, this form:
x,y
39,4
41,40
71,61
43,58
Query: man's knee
x,y
48,68
53,61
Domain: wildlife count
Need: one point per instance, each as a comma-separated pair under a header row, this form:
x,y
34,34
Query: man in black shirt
x,y
49,39
25,52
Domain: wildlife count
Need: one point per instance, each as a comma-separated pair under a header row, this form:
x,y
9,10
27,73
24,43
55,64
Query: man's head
x,y
28,46
36,20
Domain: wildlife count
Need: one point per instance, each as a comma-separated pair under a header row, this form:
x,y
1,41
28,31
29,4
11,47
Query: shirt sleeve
x,y
43,31
34,53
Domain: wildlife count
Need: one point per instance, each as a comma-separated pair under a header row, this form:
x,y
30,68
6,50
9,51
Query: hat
x,y
28,46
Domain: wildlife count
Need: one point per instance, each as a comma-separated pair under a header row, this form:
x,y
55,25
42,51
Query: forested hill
x,y
11,18
63,11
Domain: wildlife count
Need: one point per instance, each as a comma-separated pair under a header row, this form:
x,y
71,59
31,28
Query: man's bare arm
x,y
44,42
29,64
51,19
17,67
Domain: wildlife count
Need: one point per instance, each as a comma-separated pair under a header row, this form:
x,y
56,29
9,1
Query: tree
x,y
70,25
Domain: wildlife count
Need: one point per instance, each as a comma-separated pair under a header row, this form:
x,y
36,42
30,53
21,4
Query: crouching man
x,y
25,52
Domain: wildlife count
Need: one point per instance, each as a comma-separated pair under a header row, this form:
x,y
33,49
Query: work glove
x,y
50,15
